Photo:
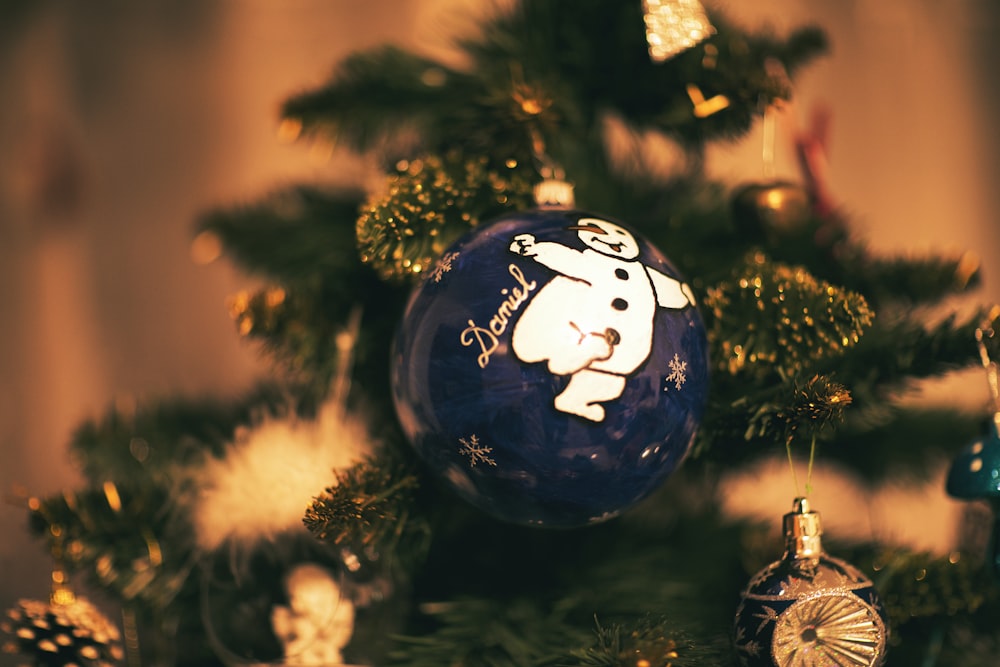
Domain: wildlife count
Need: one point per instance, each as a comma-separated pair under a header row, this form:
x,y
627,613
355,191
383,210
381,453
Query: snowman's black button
x,y
619,304
621,274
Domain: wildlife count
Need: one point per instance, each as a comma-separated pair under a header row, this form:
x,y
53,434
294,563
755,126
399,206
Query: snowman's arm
x,y
561,259
670,292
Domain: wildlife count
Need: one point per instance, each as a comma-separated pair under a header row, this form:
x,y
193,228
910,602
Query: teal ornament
x,y
975,474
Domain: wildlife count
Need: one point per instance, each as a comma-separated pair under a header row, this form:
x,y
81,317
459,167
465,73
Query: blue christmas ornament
x,y
809,608
552,368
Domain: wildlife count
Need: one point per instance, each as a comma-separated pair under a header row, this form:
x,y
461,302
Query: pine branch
x,y
300,235
907,444
381,96
535,69
488,633
654,640
938,605
774,319
917,584
142,446
553,44
373,504
304,238
895,352
428,204
973,643
751,424
302,328
813,406
124,540
911,280
539,608
824,245
394,102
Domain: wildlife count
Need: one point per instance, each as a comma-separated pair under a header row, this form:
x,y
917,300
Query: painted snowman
x,y
594,320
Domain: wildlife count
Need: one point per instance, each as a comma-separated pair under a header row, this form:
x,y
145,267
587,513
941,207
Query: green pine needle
x,y
120,540
293,236
917,584
476,632
771,318
654,640
804,411
428,203
371,504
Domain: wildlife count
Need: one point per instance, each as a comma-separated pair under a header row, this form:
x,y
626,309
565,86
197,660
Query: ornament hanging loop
x,y
985,331
768,140
553,191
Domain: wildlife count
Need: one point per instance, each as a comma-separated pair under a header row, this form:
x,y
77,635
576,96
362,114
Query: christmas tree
x,y
322,517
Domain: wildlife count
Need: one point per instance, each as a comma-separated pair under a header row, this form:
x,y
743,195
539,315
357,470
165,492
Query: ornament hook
x,y
346,342
983,332
553,191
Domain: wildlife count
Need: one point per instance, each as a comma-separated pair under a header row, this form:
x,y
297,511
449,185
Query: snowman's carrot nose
x,y
589,227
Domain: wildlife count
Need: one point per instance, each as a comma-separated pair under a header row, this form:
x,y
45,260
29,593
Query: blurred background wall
x,y
120,122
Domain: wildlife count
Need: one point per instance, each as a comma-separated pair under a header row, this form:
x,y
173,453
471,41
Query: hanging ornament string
x,y
767,150
984,331
809,466
553,191
769,108
530,103
809,469
346,342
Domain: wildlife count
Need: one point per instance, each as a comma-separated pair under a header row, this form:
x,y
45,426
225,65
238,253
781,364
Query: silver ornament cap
x,y
553,192
803,531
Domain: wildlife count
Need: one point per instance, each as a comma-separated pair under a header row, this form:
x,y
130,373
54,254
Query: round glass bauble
x,y
552,368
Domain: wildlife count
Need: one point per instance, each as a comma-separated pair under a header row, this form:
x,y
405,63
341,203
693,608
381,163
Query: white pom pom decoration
x,y
270,474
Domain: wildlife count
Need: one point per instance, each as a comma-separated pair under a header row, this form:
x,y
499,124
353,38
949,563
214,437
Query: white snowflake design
x,y
678,374
443,266
476,452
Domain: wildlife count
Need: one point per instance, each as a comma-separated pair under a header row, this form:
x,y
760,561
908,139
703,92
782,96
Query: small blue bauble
x,y
552,368
809,608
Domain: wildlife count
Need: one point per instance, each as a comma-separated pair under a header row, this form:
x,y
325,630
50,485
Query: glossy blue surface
x,y
552,368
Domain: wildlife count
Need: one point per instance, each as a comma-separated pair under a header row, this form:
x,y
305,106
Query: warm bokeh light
x,y
289,130
206,248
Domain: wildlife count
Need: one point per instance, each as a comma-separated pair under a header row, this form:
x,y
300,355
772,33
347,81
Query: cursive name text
x,y
487,338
